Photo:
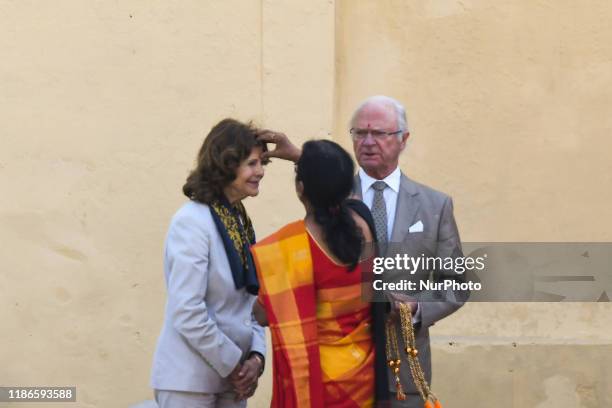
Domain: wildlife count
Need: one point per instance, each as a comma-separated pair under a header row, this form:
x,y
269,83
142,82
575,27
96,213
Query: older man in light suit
x,y
405,212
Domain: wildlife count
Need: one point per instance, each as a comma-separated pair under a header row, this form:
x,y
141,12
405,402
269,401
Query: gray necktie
x,y
379,211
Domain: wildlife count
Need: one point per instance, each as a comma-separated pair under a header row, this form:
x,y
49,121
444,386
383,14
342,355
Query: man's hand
x,y
284,149
395,299
244,378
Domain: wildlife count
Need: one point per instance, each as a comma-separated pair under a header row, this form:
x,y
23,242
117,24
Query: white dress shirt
x,y
390,194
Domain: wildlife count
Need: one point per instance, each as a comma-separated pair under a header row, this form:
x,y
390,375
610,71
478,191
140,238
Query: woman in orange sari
x,y
311,291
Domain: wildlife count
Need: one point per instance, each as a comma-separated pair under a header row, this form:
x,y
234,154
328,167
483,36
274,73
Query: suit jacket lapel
x,y
406,209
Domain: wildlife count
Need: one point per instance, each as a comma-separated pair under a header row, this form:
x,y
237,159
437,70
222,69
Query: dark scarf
x,y
236,230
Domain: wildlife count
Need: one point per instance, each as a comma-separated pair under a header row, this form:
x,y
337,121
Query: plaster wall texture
x,y
104,105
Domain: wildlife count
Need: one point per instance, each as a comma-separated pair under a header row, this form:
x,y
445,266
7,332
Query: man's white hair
x,y
400,111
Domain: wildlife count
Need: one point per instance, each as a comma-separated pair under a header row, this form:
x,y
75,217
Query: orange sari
x,y
323,352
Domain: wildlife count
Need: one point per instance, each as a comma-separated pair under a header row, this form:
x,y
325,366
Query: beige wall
x,y
104,104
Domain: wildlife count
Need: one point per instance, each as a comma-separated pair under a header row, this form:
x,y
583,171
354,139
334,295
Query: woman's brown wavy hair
x,y
227,144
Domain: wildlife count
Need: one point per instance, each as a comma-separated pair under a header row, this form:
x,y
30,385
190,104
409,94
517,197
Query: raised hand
x,y
283,149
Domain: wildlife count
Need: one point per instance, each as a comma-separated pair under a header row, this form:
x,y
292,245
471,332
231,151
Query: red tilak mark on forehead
x,y
369,126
